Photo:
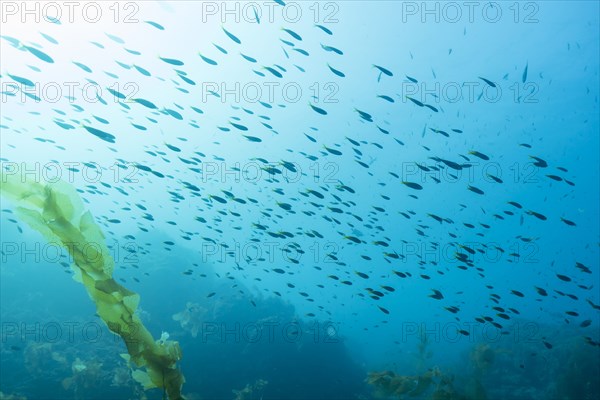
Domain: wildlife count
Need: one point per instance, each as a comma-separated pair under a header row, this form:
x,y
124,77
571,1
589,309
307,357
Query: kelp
x,y
432,385
251,391
57,212
190,319
388,384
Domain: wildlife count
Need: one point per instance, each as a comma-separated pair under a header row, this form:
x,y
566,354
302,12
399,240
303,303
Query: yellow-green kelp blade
x,y
57,212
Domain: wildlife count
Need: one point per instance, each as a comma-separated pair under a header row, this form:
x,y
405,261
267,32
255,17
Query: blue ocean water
x,y
315,199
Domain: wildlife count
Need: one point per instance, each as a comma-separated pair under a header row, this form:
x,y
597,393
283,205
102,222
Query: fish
x,y
364,115
539,162
292,34
479,155
256,17
417,102
568,222
336,72
563,278
107,137
172,61
475,190
324,29
318,110
383,70
248,58
495,178
332,49
39,54
383,310
490,83
386,98
537,215
253,139
586,323
231,36
156,25
21,80
274,72
362,274
413,185
207,60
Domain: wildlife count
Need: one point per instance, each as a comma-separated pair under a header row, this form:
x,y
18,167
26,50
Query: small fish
x,y
383,70
515,204
492,84
333,151
586,323
332,49
256,17
231,36
292,34
251,59
337,72
253,139
432,108
566,221
107,137
239,126
386,98
21,80
479,155
222,50
385,311
537,215
417,102
327,31
364,115
413,185
39,54
475,190
495,178
318,109
353,239
146,103
156,25
274,72
539,162
207,60
172,61
524,77
362,274
541,291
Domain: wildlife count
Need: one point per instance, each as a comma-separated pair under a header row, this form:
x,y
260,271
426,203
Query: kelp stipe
x,y
57,212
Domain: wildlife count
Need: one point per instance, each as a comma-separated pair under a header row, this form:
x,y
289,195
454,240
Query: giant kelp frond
x,y
57,212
